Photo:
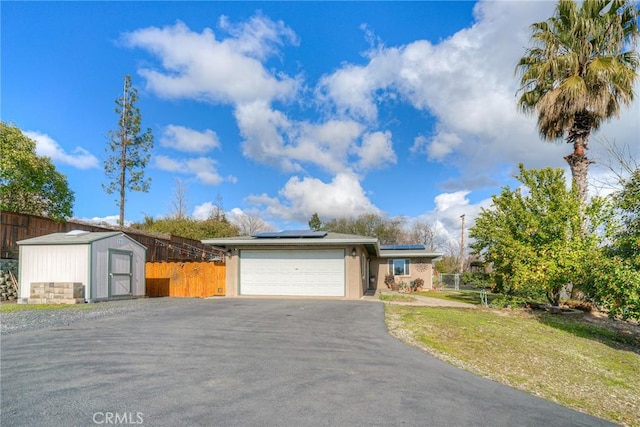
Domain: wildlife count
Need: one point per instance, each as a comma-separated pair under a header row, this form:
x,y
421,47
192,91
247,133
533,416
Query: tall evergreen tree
x,y
315,223
128,150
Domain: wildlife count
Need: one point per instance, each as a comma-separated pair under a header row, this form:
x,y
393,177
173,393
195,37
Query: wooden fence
x,y
185,279
160,247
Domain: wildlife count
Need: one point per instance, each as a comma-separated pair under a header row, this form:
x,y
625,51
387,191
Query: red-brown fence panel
x,y
185,279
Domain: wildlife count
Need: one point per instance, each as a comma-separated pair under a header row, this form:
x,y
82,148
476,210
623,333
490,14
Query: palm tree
x,y
579,72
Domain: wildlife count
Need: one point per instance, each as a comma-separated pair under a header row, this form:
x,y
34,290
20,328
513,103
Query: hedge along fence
x,y
185,279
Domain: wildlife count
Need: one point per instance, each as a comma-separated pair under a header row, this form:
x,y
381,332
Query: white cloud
x,y
47,146
258,37
447,212
229,70
167,164
197,65
235,213
376,151
271,138
353,90
188,140
203,211
111,220
301,198
326,145
467,83
441,145
261,128
446,201
202,168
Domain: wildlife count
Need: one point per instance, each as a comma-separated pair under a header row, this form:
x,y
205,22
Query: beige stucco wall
x,y
358,269
354,276
232,269
418,267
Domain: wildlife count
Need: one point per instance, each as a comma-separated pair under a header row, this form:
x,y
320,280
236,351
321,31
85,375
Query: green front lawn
x,y
472,297
582,365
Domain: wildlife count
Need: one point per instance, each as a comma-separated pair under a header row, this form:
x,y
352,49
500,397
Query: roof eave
x,y
409,254
287,242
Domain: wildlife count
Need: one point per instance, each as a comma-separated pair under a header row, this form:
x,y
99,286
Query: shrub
x,y
389,280
615,285
477,280
508,301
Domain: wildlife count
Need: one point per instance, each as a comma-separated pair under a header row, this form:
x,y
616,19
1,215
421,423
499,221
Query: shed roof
x,y
75,237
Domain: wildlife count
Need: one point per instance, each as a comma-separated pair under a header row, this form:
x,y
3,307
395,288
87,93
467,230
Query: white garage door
x,y
292,272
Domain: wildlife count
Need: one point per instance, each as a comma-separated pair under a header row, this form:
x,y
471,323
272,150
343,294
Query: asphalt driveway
x,y
248,362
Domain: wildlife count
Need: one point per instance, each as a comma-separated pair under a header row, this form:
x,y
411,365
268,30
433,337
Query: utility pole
x,y
462,245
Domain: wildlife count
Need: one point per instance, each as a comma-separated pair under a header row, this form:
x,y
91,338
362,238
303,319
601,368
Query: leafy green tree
x,y
614,284
615,270
189,227
128,150
533,235
30,183
627,238
579,72
315,223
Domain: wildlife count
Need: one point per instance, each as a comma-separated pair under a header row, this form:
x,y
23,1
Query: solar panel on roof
x,y
290,234
402,247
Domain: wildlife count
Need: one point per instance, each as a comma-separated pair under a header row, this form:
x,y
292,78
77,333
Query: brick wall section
x,y
56,293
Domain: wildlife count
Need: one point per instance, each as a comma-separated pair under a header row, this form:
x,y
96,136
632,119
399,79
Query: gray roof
x,y
75,237
403,253
371,244
330,238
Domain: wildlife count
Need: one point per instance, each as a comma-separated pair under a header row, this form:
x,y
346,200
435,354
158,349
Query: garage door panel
x,y
290,272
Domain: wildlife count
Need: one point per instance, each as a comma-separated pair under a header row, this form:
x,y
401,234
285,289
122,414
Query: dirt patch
x,y
625,327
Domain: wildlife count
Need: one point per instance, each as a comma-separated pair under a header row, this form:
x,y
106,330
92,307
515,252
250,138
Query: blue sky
x,y
283,109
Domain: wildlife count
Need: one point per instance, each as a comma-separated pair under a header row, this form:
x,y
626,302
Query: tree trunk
x,y
123,153
578,161
123,169
579,172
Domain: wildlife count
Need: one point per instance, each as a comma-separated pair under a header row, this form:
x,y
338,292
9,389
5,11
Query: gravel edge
x,y
30,320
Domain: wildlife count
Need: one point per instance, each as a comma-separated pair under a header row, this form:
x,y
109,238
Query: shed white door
x,y
292,272
120,272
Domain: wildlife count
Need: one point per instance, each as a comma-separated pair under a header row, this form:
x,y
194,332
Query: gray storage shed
x,y
108,264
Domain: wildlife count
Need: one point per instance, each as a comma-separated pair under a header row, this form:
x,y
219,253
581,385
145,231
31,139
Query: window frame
x,y
406,270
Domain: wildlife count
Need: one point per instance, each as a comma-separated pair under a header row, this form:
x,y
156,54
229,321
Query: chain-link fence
x,y
449,281
458,281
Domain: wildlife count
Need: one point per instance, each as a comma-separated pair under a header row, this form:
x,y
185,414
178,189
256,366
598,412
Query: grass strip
x,y
395,297
11,308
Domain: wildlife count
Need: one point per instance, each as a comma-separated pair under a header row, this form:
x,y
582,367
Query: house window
x,y
399,267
